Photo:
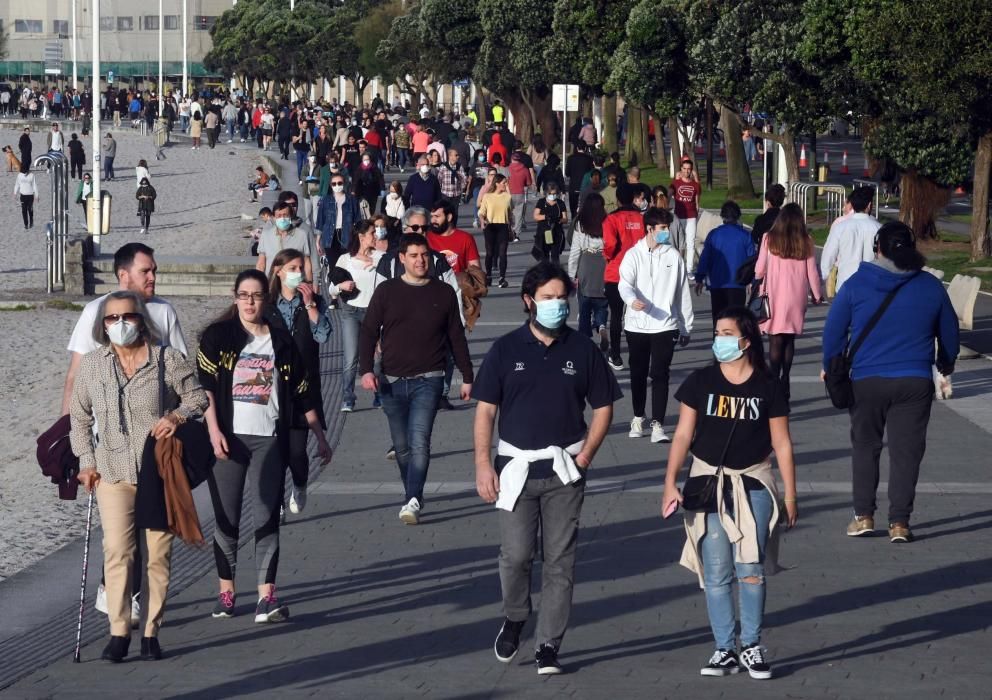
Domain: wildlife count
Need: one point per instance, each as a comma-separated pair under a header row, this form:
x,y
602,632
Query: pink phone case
x,y
674,506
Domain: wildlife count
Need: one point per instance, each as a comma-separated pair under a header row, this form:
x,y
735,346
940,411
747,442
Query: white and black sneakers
x,y
410,513
508,640
725,663
722,663
547,661
753,659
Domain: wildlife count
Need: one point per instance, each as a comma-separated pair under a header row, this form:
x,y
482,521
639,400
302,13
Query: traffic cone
x,y
699,148
867,172
960,191
803,162
826,159
723,150
843,164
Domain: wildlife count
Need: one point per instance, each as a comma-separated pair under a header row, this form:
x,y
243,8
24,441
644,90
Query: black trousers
x,y
617,307
299,462
497,237
721,299
651,356
27,209
76,166
900,406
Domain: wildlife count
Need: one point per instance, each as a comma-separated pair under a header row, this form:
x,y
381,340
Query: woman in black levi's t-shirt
x,y
734,415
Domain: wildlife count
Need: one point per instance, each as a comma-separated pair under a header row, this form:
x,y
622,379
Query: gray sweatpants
x,y
556,506
256,457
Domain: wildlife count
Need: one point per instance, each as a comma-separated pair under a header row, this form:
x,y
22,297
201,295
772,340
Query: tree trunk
x,y
921,199
609,136
523,126
981,245
787,141
739,184
645,145
660,159
634,150
673,130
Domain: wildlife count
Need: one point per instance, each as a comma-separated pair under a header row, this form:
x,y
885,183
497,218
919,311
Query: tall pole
x,y
185,54
95,213
75,70
161,79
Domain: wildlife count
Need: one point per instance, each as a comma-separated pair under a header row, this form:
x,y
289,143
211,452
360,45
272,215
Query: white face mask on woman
x,y
123,333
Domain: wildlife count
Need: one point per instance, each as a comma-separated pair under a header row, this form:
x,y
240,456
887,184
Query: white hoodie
x,y
657,278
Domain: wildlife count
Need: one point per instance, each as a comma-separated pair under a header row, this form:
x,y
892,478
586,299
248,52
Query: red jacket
x,y
621,230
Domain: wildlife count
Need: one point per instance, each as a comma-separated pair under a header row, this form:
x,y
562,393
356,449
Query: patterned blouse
x,y
125,410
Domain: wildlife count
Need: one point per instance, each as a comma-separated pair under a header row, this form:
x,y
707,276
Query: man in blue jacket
x,y
726,249
891,371
423,188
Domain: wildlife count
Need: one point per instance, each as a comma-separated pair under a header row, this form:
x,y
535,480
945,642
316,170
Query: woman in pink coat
x,y
787,265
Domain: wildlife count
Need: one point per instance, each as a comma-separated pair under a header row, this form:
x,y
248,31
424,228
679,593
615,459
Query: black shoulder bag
x,y
198,454
837,378
699,492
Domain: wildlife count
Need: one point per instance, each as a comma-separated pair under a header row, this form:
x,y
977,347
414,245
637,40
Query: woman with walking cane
x,y
118,387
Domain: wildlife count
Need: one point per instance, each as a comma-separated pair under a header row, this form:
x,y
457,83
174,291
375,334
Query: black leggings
x,y
781,351
146,219
497,238
27,209
299,461
76,166
612,291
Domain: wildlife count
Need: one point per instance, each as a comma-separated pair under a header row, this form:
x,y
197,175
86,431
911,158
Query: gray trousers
x,y
255,458
556,506
519,204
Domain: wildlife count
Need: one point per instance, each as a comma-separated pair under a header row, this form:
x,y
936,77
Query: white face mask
x,y
123,333
424,169
337,188
293,279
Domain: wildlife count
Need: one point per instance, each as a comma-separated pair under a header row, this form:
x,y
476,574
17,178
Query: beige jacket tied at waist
x,y
741,529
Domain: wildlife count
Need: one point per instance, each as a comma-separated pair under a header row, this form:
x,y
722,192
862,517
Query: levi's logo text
x,y
734,407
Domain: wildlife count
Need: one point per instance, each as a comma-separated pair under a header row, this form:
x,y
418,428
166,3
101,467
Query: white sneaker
x,y
135,610
658,433
410,513
101,599
297,500
636,427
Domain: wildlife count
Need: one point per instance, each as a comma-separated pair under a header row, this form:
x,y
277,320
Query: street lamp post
x,y
75,71
161,79
185,55
96,202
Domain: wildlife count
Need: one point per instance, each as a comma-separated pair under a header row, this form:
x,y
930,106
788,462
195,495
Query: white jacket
x,y
850,242
658,278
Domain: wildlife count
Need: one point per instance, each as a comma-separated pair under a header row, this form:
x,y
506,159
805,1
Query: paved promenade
x,y
381,610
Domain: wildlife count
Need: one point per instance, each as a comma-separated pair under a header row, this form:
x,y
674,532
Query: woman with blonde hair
x,y
787,269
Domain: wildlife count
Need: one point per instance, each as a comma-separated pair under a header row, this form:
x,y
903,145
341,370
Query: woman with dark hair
x,y
551,172
733,416
891,370
117,387
586,265
196,129
146,203
295,307
256,382
495,215
538,153
551,216
787,267
353,280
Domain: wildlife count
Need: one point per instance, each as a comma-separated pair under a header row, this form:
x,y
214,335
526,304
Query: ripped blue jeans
x,y
719,570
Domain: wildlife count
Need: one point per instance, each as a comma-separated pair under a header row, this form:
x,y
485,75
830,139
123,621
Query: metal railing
x,y
57,229
835,194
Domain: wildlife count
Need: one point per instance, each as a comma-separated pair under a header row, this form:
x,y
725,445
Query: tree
x,y
650,67
365,36
516,36
3,43
407,50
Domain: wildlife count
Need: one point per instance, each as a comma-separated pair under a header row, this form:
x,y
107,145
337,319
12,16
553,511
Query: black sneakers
x,y
225,605
753,659
508,640
547,660
269,610
722,663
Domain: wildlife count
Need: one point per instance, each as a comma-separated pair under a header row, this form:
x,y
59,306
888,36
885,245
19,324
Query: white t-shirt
x,y
163,315
56,140
256,401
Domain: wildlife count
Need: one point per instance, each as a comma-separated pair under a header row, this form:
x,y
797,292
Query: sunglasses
x,y
131,317
416,227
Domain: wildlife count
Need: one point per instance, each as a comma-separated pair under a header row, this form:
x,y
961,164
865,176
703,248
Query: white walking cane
x,y
82,584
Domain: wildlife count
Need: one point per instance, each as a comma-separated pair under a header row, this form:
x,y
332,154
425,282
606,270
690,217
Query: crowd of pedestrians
x,y
396,276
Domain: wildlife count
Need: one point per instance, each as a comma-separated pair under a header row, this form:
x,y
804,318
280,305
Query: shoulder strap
x,y
161,380
873,321
726,447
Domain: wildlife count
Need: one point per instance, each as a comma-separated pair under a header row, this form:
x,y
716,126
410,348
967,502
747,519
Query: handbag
x,y
758,303
198,455
699,492
837,378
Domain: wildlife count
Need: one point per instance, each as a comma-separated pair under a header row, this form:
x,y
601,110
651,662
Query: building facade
x,y
38,31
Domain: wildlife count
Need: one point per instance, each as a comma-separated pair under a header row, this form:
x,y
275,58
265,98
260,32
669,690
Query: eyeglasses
x,y
337,182
246,296
415,227
131,317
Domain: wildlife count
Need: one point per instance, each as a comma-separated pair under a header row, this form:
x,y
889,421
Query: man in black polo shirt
x,y
538,379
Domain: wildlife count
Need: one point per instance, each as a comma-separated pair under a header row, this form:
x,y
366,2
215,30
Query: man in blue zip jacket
x,y
726,249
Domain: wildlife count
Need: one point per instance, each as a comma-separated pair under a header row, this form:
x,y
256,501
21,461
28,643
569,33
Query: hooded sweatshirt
x,y
498,147
621,230
658,278
902,343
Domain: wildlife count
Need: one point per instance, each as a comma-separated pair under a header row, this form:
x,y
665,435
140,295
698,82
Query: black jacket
x,y
220,346
309,351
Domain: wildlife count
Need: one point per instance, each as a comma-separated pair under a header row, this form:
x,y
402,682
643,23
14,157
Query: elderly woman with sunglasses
x,y
118,389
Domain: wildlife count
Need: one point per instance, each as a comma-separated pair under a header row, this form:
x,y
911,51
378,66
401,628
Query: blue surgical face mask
x,y
662,236
727,348
284,224
551,313
293,279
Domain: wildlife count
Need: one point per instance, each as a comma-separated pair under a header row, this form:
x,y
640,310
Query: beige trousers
x,y
116,502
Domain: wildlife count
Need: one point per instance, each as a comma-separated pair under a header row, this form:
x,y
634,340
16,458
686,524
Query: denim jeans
x,y
350,322
410,406
231,127
719,567
595,308
301,161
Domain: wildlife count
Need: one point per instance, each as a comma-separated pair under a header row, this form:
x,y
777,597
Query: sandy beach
x,y
201,195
